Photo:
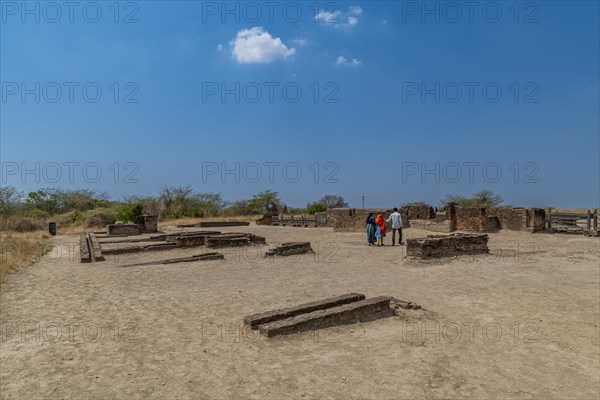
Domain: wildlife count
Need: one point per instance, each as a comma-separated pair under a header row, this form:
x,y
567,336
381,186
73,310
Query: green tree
x,y
487,198
312,208
259,201
128,212
46,200
10,200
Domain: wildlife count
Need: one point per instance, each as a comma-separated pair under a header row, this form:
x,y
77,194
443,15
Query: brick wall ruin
x,y
536,219
323,219
421,211
472,219
475,219
433,225
447,245
353,219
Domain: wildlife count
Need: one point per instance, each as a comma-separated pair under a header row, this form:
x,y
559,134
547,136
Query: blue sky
x,y
400,101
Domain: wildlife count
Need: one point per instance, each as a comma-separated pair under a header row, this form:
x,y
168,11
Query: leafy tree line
x,y
96,209
27,211
483,198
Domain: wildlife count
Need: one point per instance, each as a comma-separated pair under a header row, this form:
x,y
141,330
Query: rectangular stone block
x,y
123,229
290,248
190,240
447,245
332,316
281,313
84,249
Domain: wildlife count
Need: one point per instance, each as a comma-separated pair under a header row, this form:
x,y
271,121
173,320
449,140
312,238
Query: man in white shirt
x,y
396,219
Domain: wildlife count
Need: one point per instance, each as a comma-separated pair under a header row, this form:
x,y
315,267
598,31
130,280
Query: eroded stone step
x,y
281,313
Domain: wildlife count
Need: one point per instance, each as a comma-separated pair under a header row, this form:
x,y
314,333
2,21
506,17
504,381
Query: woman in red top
x,y
380,232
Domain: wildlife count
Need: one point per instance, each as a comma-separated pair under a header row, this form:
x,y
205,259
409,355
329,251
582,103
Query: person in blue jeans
x,y
396,219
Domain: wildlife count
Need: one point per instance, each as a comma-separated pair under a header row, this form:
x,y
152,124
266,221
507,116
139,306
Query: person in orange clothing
x,y
380,232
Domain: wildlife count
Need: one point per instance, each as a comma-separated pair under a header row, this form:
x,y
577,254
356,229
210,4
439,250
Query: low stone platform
x,y
141,248
198,257
213,224
122,229
233,240
282,313
290,248
434,246
331,316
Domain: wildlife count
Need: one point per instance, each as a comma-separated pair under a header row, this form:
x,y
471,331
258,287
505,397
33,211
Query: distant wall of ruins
x,y
354,219
469,219
422,211
475,219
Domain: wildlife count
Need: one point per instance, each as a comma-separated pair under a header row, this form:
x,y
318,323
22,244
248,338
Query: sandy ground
x,y
521,322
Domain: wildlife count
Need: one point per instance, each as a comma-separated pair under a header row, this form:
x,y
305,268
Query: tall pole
x,y
363,201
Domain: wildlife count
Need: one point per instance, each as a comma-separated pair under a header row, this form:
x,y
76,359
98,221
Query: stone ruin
x,y
290,248
476,219
434,246
141,224
423,216
92,249
353,219
344,309
418,211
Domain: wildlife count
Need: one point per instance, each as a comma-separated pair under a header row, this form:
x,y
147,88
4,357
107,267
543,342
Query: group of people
x,y
376,230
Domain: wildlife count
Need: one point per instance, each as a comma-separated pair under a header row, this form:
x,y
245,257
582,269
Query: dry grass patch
x,y
18,249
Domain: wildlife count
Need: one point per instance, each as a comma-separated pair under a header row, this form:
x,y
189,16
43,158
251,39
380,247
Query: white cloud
x,y
257,46
341,60
219,47
328,17
299,41
355,10
338,18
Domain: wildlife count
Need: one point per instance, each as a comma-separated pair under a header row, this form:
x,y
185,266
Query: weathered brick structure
x,y
421,211
447,245
353,219
346,313
290,248
475,219
147,223
433,225
266,219
471,219
123,229
279,314
536,219
323,219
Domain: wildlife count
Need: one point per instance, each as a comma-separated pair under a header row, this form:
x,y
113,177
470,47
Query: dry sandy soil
x,y
521,322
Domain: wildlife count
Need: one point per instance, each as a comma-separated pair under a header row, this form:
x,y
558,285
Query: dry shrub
x,y
100,217
17,223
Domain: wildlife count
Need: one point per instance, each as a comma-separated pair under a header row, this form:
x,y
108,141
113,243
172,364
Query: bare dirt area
x,y
520,322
